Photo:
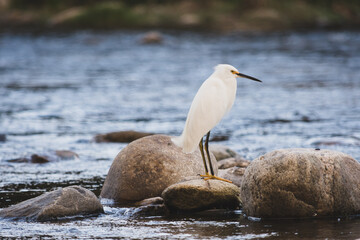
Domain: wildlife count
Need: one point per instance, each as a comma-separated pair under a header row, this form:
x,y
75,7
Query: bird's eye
x,y
232,71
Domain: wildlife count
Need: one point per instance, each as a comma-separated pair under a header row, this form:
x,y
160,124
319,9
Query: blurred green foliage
x,y
215,14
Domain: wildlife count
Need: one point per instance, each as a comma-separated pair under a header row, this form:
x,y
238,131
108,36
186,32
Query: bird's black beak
x,y
248,77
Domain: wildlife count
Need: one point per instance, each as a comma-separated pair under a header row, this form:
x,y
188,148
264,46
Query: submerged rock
x,y
222,152
2,137
198,194
151,210
121,137
152,38
150,201
66,154
147,166
233,162
151,207
45,158
234,174
39,159
68,201
34,158
301,183
19,160
219,138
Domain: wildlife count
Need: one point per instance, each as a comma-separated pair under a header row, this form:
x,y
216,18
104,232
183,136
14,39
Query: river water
x,y
58,90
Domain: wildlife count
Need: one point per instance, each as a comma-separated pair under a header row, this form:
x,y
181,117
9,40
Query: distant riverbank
x,y
215,15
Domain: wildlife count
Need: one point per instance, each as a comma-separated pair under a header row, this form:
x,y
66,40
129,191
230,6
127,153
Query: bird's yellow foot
x,y
208,176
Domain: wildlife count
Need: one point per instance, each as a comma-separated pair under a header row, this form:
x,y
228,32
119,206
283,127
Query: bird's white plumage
x,y
213,100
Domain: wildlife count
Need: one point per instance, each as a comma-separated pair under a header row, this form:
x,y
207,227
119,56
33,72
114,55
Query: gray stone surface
x,y
222,152
234,174
198,194
147,166
301,183
68,201
233,162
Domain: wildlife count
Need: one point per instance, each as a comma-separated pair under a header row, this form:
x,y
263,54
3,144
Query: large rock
x,y
147,166
198,194
121,137
301,183
68,201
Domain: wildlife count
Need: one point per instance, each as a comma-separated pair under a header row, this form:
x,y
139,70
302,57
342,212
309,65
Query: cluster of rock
x,y
157,177
154,166
282,183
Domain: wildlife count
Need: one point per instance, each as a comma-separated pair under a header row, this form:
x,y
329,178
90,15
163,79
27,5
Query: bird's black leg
x,y
207,153
203,155
208,176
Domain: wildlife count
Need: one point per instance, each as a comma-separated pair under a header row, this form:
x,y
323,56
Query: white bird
x,y
213,100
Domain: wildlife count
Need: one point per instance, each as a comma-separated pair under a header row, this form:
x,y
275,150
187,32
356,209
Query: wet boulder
x,y
63,202
233,162
301,183
145,167
222,152
198,194
234,174
121,137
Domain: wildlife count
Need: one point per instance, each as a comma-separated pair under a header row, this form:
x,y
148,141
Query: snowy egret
x,y
213,100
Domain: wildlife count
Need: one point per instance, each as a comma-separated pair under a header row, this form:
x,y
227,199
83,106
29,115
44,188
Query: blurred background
x,y
70,70
231,15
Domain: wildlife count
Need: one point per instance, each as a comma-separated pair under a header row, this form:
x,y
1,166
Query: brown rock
x,y
150,201
121,137
233,162
152,38
147,166
234,174
66,154
39,159
301,183
19,160
196,195
69,201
